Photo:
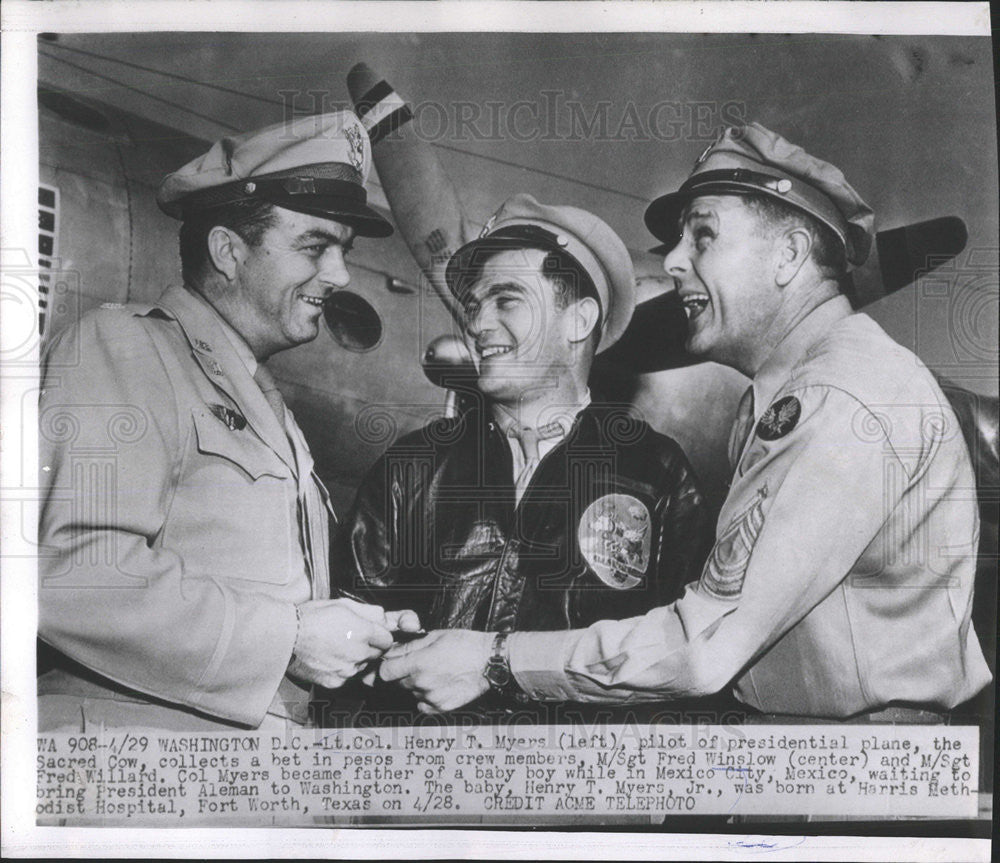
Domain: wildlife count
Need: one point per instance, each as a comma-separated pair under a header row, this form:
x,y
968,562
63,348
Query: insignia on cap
x,y
704,153
779,419
727,566
250,188
357,148
490,222
614,539
233,420
228,147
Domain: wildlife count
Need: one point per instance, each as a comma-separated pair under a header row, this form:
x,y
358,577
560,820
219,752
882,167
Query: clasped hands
x,y
340,638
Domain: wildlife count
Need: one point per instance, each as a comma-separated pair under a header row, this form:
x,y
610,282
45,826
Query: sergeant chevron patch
x,y
727,565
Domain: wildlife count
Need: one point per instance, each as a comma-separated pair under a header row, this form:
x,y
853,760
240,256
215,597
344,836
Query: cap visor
x,y
662,217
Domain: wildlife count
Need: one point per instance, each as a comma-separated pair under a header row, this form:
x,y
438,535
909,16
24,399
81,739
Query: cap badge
x,y
705,152
490,222
779,419
249,188
614,538
783,186
228,146
710,147
357,149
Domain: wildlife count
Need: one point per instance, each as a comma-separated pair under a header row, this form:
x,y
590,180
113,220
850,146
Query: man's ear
x,y
583,317
793,250
226,249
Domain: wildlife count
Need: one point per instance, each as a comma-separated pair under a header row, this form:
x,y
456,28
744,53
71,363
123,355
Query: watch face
x,y
497,673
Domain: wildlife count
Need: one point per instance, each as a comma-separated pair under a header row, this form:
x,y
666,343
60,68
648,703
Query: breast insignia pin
x,y
233,420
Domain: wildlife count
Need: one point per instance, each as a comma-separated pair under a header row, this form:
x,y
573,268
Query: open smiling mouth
x,y
694,304
312,301
494,350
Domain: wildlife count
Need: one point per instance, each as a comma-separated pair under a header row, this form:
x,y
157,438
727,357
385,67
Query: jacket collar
x,y
554,421
217,356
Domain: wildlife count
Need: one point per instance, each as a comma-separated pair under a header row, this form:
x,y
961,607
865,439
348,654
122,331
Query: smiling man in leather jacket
x,y
538,508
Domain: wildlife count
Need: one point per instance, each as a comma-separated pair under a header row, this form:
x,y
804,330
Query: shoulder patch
x,y
614,538
779,419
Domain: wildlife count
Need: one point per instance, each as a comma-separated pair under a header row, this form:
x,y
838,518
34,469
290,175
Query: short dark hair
x,y
570,283
250,218
828,251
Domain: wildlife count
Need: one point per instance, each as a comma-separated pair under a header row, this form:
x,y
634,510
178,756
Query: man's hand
x,y
444,669
337,638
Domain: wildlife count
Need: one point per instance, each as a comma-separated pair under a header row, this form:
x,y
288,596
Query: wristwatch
x,y
497,671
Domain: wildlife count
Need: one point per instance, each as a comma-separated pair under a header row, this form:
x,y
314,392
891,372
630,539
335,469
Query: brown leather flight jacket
x,y
611,525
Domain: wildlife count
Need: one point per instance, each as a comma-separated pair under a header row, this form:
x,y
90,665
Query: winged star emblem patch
x,y
779,419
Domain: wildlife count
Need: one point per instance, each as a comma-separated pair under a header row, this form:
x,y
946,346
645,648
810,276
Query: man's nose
x,y
333,268
480,320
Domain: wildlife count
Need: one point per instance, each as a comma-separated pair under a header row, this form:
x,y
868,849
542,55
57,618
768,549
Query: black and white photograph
x,y
569,429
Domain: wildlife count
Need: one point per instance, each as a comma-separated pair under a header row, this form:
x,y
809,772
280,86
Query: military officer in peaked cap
x,y
840,584
539,508
184,574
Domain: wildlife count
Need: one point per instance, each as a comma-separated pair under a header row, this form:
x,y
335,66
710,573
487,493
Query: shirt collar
x,y
237,341
777,368
561,415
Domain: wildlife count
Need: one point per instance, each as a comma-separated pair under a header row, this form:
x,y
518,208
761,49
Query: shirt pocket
x,y
234,510
238,446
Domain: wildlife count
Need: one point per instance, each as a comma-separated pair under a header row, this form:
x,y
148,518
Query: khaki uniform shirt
x,y
182,522
842,575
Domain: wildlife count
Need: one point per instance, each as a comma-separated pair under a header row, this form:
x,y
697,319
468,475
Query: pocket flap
x,y
240,446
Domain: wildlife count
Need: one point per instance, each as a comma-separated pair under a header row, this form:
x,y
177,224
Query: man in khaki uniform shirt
x,y
184,571
841,580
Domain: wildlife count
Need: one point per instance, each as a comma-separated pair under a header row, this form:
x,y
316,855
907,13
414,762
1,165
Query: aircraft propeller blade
x,y
425,205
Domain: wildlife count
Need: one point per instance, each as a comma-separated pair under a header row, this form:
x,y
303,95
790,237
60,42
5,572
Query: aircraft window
x,y
353,322
48,218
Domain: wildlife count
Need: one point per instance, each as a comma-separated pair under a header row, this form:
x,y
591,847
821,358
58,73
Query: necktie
x,y
741,428
528,438
271,392
311,529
